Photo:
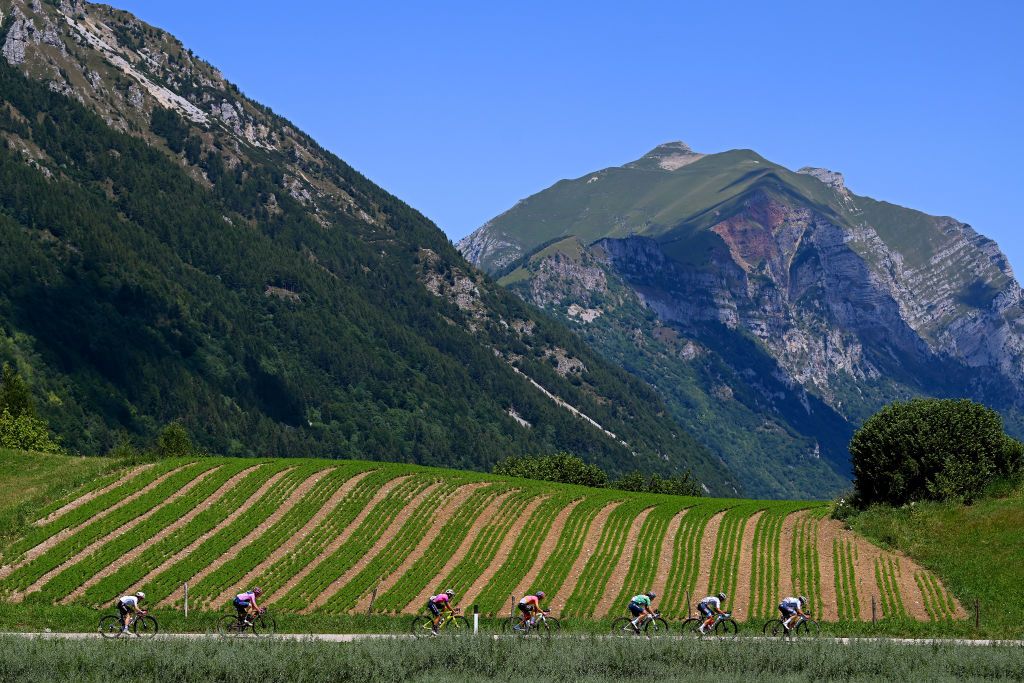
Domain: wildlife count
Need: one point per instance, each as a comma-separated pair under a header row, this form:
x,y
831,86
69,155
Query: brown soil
x,y
440,518
707,551
185,552
71,531
504,550
171,528
121,530
485,517
618,578
546,548
741,601
786,552
589,546
288,546
82,500
665,558
392,530
827,533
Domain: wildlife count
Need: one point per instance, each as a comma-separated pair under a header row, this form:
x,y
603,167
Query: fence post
x,y
689,609
512,607
373,599
874,619
186,599
476,619
977,613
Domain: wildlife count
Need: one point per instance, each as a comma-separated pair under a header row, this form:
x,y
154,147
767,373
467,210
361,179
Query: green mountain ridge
x,y
173,250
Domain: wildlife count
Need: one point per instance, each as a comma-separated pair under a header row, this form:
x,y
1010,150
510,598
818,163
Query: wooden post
x,y
874,618
373,599
186,599
512,607
977,613
689,608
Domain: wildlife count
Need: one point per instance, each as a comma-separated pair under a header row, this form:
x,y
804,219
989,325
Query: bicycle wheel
x,y
264,625
807,629
727,627
110,626
769,627
656,627
546,627
779,630
623,627
145,627
457,626
228,625
691,627
422,626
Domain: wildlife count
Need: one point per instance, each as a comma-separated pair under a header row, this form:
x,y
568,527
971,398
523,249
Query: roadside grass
x,y
489,659
977,551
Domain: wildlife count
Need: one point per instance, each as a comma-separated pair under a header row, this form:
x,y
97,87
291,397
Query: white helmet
x,y
140,595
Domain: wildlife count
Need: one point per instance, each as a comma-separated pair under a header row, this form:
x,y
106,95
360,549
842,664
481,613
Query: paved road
x,y
351,637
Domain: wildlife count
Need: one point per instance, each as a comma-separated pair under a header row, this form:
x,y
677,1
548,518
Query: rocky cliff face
x,y
855,302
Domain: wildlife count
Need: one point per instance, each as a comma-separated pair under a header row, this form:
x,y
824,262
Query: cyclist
x,y
128,605
530,606
438,605
640,605
791,607
245,603
710,607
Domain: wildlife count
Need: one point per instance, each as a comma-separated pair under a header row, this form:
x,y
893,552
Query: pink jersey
x,y
249,597
531,600
440,599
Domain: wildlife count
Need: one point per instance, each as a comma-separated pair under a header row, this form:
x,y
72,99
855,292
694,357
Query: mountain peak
x,y
668,156
833,179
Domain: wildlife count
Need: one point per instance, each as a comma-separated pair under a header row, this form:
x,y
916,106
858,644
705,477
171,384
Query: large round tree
x,y
930,449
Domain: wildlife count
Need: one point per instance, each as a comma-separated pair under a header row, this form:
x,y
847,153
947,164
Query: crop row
x,y
93,510
216,542
485,546
643,566
156,553
523,556
591,585
395,550
725,563
937,602
358,544
170,511
444,545
844,557
887,568
557,566
252,554
682,577
68,547
806,566
765,583
84,490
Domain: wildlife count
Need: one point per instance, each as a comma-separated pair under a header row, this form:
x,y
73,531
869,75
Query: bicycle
x,y
649,626
540,625
451,622
805,626
261,624
141,624
723,625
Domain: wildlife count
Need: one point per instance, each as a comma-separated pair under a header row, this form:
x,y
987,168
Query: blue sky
x,y
463,108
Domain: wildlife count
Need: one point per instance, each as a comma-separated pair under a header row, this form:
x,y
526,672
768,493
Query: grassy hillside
x,y
324,537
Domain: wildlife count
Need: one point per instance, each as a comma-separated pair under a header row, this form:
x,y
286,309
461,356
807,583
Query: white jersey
x,y
712,602
791,603
129,601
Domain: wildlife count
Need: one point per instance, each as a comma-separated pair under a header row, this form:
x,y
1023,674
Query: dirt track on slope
x,y
786,586
92,495
744,573
120,531
328,550
829,601
617,580
171,528
389,533
286,547
485,517
668,545
588,548
546,548
441,517
707,551
504,550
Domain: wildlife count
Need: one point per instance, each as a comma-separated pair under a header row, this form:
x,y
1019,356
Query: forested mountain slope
x,y
774,310
170,250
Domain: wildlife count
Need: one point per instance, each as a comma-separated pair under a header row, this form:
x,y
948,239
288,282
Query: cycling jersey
x,y
530,601
246,598
129,602
790,603
711,602
641,600
440,599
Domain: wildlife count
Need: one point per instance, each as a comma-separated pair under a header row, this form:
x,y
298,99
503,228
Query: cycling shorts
x,y
635,609
526,609
123,609
241,605
787,612
704,610
434,609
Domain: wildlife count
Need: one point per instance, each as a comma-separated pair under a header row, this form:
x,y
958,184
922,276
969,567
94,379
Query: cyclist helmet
x,y
257,591
140,595
450,593
539,594
722,596
651,594
802,599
